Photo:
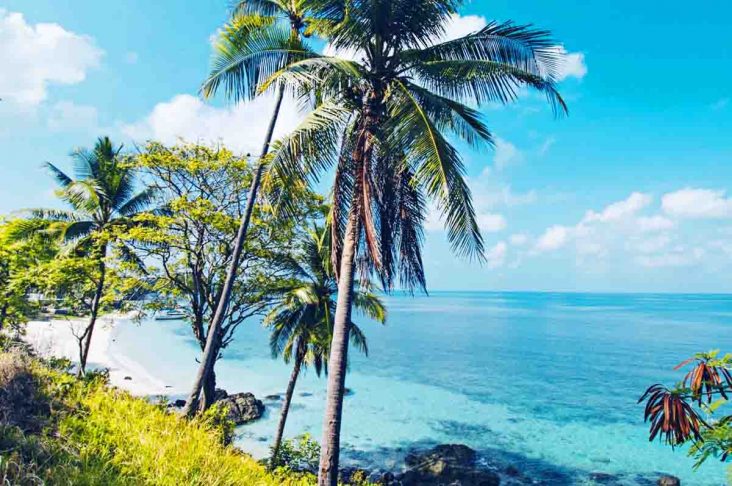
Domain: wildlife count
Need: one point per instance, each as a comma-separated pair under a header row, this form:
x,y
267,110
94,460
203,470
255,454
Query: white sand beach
x,y
57,338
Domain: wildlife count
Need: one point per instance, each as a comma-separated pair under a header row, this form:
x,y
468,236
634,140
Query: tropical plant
x,y
384,121
302,319
676,414
103,201
187,242
21,264
248,48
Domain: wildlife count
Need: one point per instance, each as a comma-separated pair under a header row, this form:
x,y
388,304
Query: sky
x,y
632,192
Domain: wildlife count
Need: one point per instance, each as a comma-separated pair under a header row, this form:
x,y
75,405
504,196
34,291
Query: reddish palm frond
x,y
672,419
705,379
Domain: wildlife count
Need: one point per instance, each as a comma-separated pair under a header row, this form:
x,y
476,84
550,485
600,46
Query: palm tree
x,y
383,121
102,198
302,320
252,46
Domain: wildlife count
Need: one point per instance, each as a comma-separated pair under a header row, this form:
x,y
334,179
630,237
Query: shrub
x,y
98,435
21,402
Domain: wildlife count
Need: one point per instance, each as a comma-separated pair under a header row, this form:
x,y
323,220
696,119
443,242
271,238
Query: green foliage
x,y
98,435
300,453
21,268
201,194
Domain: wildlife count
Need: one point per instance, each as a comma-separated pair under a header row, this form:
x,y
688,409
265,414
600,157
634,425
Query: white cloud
x,y
491,222
132,57
462,25
553,238
719,104
547,145
67,116
241,127
650,224
573,65
518,239
654,244
496,256
35,56
506,154
620,210
693,203
678,257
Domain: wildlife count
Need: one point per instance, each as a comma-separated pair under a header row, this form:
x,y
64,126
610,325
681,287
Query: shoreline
x,y
55,338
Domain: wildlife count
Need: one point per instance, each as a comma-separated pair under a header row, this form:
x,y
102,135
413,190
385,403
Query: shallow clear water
x,y
548,382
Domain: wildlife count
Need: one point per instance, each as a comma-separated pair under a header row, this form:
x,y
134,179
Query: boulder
x,y
220,394
668,480
273,398
180,403
243,407
453,464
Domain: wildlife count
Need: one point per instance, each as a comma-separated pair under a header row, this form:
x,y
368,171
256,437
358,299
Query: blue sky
x,y
631,192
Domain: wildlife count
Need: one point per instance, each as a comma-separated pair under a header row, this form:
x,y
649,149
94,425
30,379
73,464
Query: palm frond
x,y
139,202
439,169
61,178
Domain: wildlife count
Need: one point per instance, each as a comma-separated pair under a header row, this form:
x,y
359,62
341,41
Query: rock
x,y
273,398
603,478
347,392
513,471
220,394
668,480
243,407
306,394
180,403
446,464
129,378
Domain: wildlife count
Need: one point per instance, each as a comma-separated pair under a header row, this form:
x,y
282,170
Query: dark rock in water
x,y
348,392
273,398
668,480
603,478
243,407
180,403
129,378
306,394
220,394
452,464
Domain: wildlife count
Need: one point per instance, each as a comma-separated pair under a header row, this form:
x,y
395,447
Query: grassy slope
x,y
98,435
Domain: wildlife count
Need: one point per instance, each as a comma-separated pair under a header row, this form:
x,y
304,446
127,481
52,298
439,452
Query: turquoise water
x,y
547,382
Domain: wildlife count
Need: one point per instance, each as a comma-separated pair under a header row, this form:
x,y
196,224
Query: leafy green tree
x,y
20,272
250,47
187,242
103,201
385,121
302,319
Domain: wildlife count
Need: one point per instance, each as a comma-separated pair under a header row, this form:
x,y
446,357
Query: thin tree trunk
x,y
210,352
208,393
99,291
274,460
3,315
330,446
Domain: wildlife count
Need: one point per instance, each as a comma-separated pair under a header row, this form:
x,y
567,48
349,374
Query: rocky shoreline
x,y
459,465
449,464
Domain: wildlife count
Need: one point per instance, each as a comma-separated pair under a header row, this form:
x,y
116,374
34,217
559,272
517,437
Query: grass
x,y
94,434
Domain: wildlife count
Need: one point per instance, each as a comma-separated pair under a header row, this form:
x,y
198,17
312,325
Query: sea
x,y
545,382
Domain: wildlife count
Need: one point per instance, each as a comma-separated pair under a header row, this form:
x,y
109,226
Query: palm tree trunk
x,y
96,302
330,447
274,460
211,350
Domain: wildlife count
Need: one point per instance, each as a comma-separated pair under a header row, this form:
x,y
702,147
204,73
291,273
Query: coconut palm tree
x,y
385,118
102,197
302,320
252,46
